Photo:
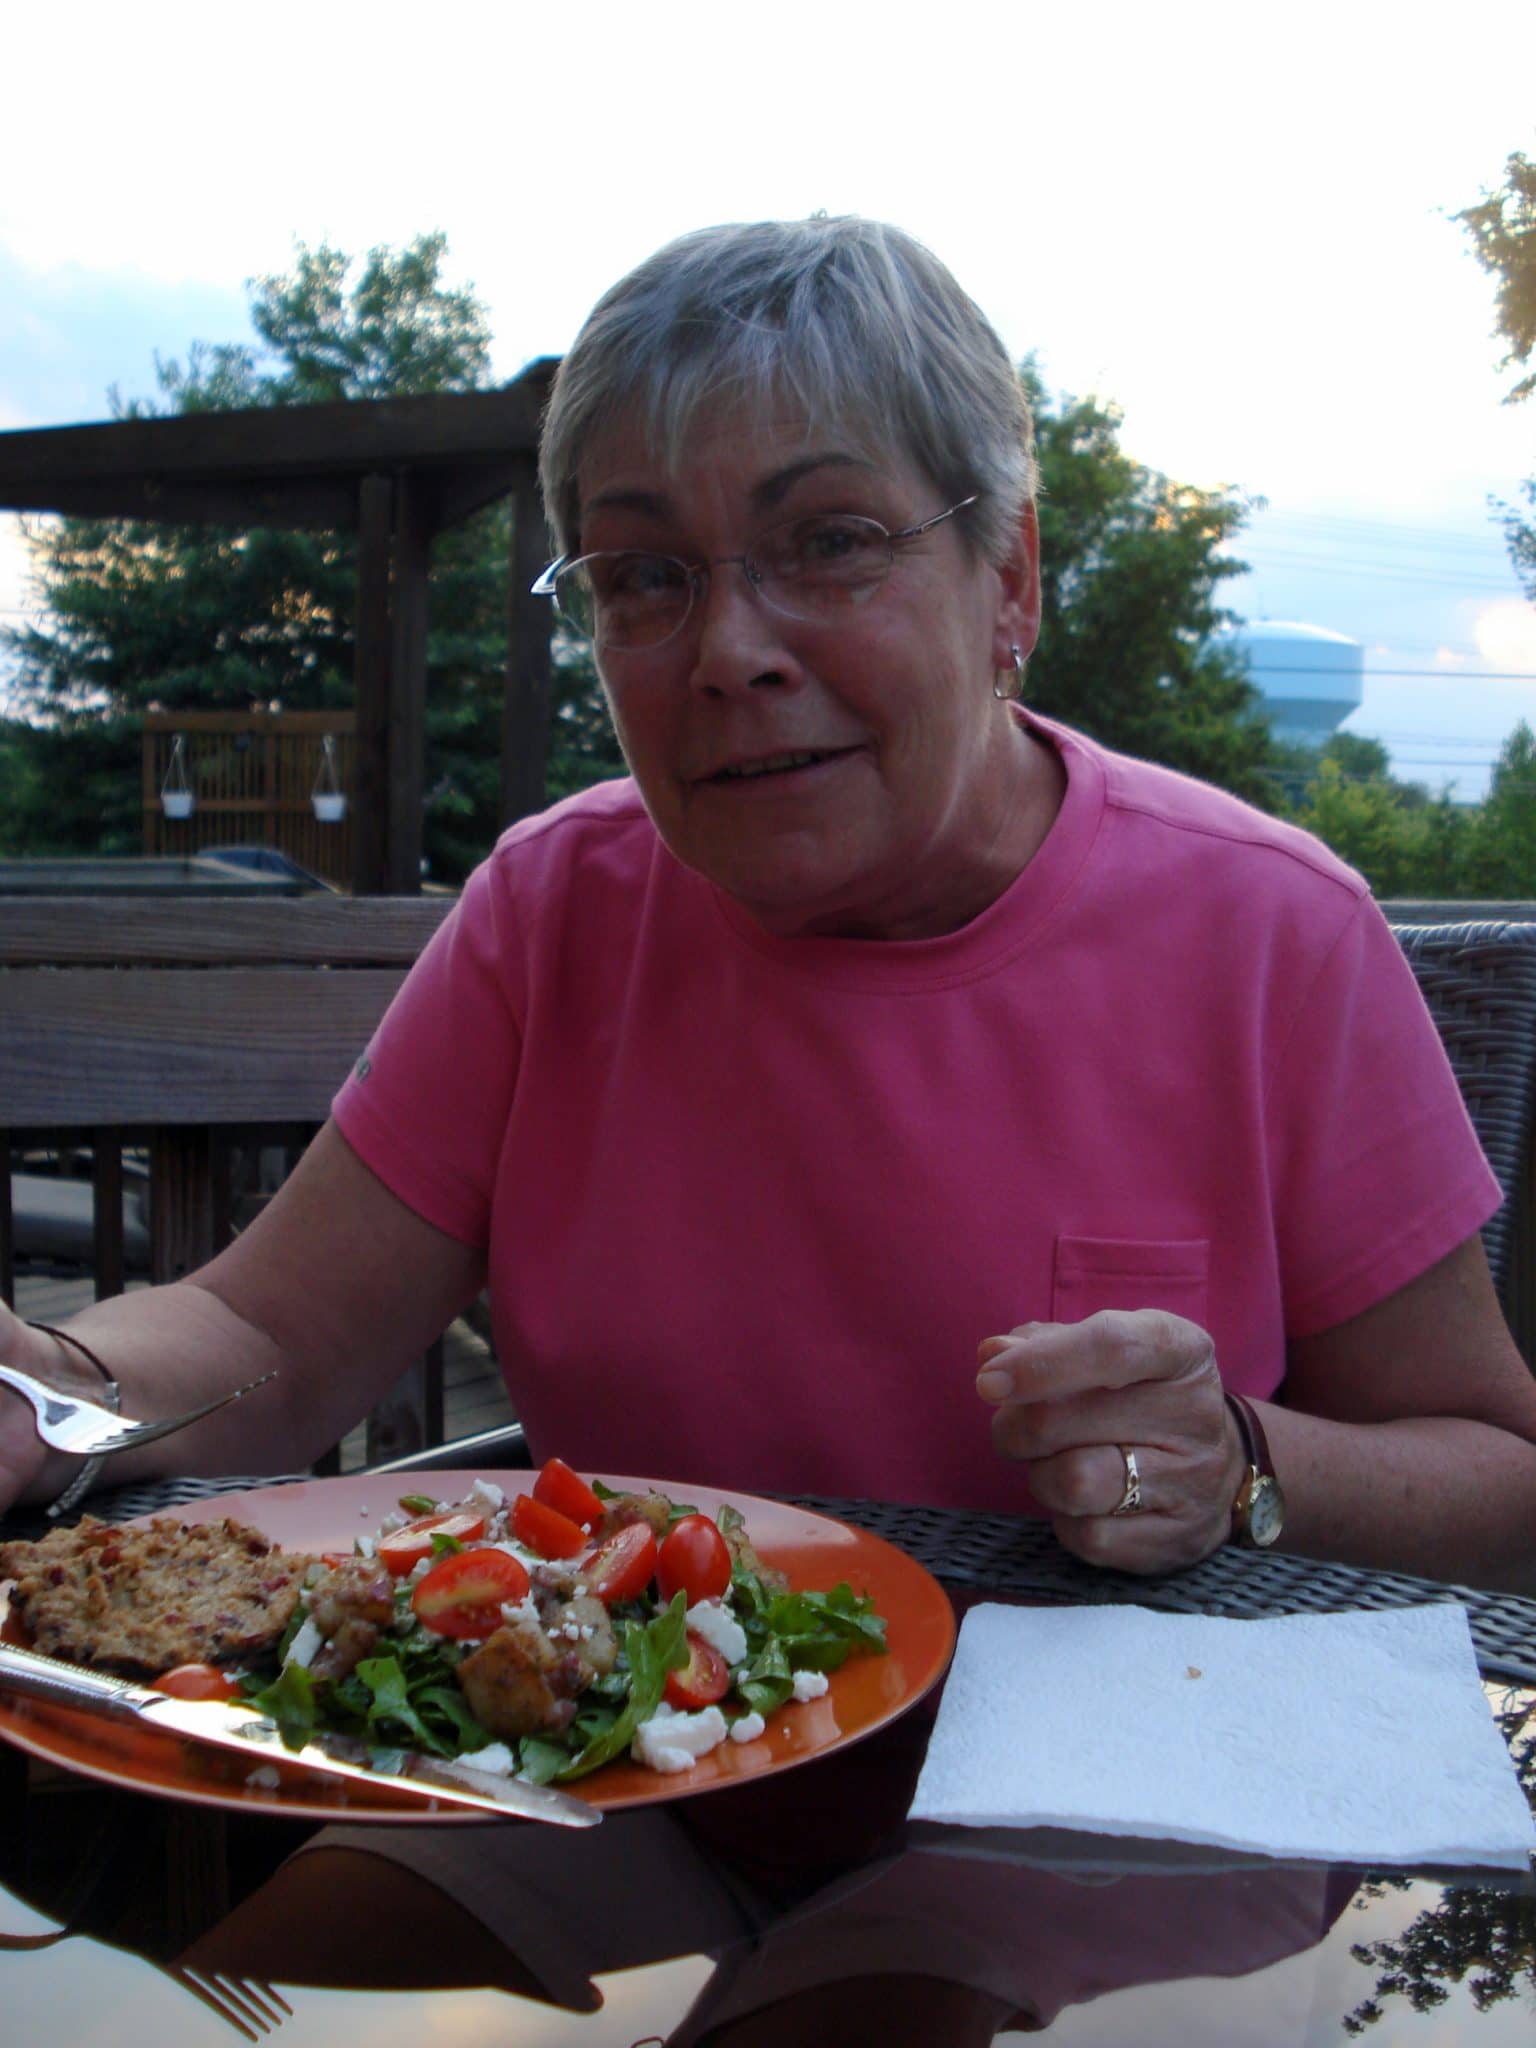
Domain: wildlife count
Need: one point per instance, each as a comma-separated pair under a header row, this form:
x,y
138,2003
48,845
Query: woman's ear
x,y
1018,614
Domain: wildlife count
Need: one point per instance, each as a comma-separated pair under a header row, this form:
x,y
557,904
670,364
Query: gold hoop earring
x,y
1014,686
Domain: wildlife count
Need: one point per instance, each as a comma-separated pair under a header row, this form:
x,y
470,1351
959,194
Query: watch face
x,y
1266,1511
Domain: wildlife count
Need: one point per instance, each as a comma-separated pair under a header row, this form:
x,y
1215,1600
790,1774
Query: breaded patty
x,y
140,1600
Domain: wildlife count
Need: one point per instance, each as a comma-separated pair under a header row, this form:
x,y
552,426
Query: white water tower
x,y
1309,677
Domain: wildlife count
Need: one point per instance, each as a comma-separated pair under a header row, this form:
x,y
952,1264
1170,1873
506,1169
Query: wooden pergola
x,y
397,472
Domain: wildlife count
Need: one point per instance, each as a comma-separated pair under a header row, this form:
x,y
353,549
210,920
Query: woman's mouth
x,y
790,762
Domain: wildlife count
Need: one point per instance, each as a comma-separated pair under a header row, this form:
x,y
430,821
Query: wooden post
x,y
371,680
180,1200
107,1234
530,623
150,793
270,755
407,687
7,1225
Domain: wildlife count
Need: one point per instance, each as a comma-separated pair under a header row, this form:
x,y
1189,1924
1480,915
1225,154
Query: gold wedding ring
x,y
1129,1502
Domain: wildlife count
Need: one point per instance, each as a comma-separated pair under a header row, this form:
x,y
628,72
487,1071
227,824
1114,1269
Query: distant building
x,y
1309,677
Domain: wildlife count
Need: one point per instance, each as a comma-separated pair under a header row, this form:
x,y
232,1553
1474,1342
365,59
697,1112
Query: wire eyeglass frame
x,y
559,580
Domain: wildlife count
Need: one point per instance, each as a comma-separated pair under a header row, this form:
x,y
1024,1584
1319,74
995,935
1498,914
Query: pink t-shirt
x,y
750,1203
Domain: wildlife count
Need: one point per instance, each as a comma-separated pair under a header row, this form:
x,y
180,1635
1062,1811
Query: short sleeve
x,y
426,1106
1378,1172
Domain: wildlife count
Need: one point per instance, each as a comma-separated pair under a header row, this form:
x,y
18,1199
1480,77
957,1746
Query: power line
x,y
1267,562
1392,529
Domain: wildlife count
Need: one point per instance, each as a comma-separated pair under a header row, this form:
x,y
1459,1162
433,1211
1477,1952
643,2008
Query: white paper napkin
x,y
1341,1737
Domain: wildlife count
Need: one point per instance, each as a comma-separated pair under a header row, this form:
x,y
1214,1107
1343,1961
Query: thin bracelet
x,y
90,1471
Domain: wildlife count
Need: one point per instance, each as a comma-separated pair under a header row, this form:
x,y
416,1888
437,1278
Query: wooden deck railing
x,y
209,1037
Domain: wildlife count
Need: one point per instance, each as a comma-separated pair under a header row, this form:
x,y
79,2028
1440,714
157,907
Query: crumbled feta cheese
x,y
719,1628
485,1493
748,1728
520,1610
671,1741
265,1777
810,1685
364,1546
571,1630
304,1645
392,1521
578,1591
495,1758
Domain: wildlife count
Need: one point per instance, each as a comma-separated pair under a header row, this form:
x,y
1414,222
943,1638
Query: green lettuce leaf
x,y
651,1650
290,1702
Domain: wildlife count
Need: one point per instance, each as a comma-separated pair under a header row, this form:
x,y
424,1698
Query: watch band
x,y
1251,1430
1258,1512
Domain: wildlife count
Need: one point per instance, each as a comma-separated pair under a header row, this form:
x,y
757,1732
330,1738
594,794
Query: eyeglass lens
x,y
810,569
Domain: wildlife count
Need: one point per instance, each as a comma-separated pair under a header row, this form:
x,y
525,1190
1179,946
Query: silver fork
x,y
251,2009
87,1431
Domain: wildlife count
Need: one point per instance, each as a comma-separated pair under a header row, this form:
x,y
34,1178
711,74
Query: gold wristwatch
x,y
1258,1513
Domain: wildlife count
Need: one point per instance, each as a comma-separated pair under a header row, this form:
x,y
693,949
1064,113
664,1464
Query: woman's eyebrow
x,y
765,495
655,503
775,488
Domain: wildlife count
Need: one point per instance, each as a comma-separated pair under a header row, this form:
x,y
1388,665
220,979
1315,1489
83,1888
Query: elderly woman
x,y
885,1091
878,1030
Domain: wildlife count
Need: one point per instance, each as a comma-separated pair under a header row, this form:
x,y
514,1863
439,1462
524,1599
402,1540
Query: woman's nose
x,y
737,637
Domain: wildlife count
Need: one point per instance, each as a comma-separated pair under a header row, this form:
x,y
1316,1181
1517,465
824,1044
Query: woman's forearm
x,y
1434,1495
170,1348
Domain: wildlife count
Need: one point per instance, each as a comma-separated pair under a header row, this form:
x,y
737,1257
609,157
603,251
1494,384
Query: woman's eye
x,y
832,546
635,579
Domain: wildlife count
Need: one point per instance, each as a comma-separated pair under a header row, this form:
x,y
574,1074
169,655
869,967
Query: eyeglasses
x,y
816,570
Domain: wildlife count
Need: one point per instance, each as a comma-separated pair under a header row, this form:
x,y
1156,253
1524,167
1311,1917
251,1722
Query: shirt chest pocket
x,y
1091,1273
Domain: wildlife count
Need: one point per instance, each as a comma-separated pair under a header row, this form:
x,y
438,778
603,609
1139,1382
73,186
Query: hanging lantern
x,y
330,805
176,798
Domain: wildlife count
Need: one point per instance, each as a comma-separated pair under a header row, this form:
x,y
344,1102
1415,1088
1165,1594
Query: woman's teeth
x,y
771,764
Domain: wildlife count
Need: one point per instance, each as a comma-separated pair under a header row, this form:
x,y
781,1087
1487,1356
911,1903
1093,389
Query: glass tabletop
x,y
127,1918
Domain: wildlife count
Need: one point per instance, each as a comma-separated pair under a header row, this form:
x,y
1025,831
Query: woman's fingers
x,y
1076,1403
1090,1481
1115,1348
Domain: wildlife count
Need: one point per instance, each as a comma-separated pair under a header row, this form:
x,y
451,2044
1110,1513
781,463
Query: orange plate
x,y
325,1514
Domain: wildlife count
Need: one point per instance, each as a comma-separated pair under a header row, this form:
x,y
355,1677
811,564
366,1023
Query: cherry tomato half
x,y
622,1566
558,1487
694,1560
463,1595
705,1678
405,1548
545,1529
198,1682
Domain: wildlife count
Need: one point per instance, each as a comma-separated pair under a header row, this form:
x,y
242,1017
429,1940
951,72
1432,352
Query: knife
x,y
231,1726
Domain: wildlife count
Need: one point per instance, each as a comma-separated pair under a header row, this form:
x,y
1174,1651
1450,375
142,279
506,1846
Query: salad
x,y
548,1633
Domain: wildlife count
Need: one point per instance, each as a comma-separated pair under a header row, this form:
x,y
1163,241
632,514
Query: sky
x,y
1235,223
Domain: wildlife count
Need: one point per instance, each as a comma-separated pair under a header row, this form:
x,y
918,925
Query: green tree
x,y
1501,860
1404,842
173,617
1130,565
1502,227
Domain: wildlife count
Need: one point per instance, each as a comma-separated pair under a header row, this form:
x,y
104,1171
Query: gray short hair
x,y
855,322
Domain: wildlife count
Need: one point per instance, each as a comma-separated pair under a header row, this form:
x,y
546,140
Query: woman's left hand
x,y
1072,1398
